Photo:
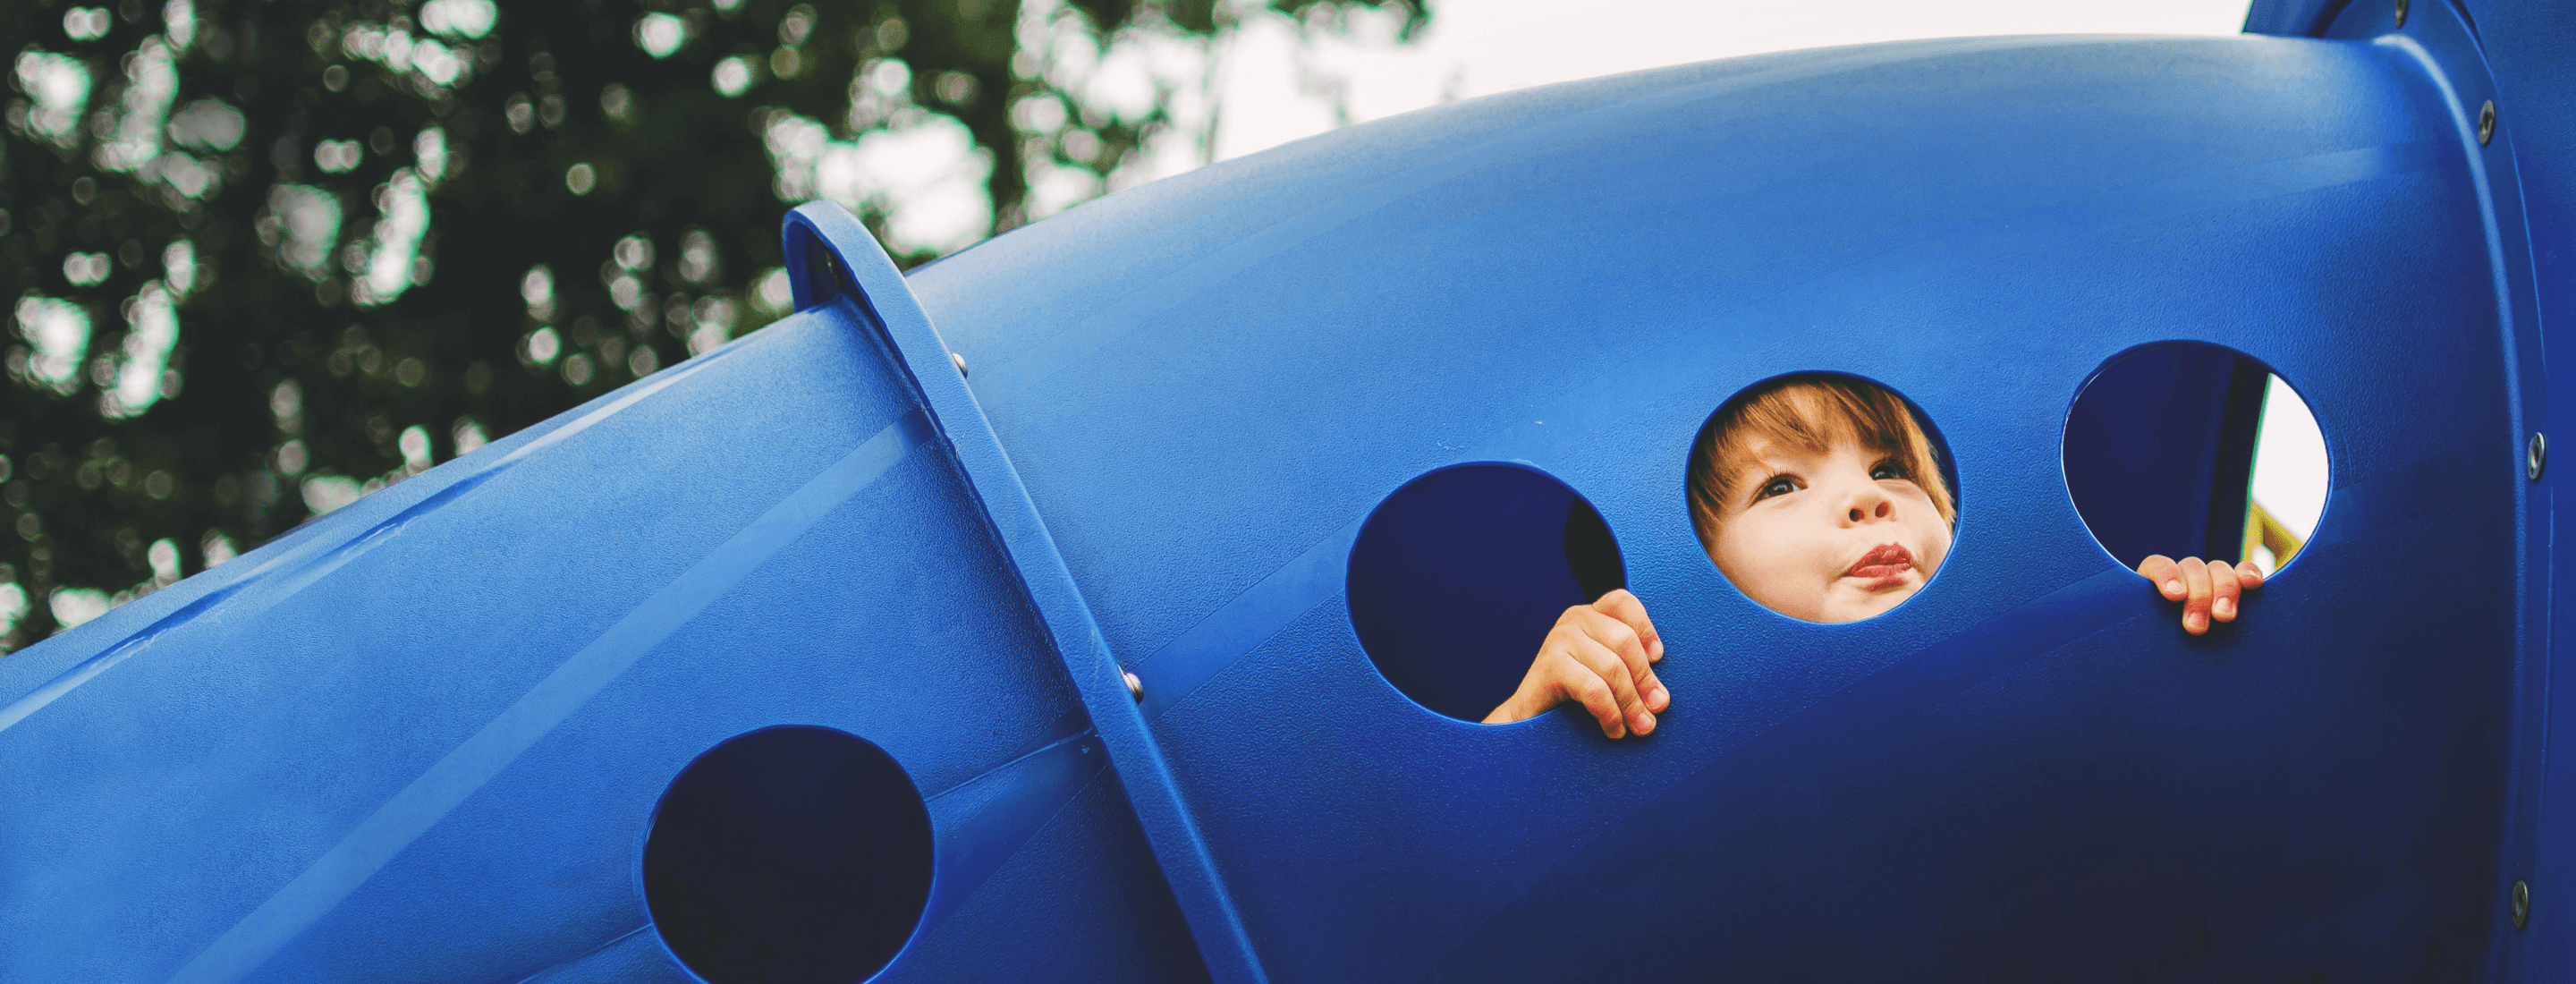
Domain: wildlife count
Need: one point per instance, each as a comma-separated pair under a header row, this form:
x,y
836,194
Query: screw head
x,y
960,361
2521,904
2401,13
2535,455
2486,123
1135,687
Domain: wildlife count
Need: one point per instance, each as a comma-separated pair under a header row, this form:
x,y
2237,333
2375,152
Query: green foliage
x,y
269,255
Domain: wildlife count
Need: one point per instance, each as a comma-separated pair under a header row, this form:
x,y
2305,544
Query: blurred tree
x,y
271,255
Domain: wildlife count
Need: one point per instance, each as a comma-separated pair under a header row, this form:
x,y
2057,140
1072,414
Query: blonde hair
x,y
1808,410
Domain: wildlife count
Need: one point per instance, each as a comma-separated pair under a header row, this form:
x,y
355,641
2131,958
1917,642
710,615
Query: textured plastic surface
x,y
2532,53
2514,56
830,255
420,739
2026,771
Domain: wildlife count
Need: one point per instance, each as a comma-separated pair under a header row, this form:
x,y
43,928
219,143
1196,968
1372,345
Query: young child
x,y
1820,497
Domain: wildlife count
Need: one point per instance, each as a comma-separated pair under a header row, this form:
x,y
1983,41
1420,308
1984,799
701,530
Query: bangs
x,y
1806,412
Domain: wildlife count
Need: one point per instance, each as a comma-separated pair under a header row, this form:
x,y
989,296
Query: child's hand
x,y
1598,655
2206,590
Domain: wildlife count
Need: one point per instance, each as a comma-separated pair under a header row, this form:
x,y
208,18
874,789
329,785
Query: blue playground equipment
x,y
1111,601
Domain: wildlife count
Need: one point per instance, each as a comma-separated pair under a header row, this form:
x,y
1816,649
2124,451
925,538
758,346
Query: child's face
x,y
1832,534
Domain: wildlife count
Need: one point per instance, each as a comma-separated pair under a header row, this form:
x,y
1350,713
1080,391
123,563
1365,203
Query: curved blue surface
x,y
421,738
1574,276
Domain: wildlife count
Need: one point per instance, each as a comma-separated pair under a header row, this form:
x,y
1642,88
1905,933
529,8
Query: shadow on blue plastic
x,y
1456,578
815,277
2160,453
793,854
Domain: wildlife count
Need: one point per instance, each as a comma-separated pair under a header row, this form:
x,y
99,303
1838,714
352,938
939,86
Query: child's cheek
x,y
1940,549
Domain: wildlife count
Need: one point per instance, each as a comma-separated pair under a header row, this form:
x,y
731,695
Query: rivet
x,y
2521,904
2401,13
2486,123
2534,455
1135,687
960,360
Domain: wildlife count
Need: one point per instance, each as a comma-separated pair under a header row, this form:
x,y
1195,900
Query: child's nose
x,y
1880,511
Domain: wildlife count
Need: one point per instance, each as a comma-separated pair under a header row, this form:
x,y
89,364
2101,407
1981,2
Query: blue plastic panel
x,y
829,255
2529,50
2445,41
421,739
2026,771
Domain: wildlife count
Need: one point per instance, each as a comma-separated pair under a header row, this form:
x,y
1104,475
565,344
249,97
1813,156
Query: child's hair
x,y
1808,410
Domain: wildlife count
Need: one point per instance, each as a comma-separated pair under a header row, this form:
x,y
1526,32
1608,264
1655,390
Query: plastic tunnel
x,y
807,659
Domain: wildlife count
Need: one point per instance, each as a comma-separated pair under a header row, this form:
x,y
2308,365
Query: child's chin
x,y
1853,605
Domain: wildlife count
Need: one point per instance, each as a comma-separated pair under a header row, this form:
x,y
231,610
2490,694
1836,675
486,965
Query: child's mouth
x,y
1883,566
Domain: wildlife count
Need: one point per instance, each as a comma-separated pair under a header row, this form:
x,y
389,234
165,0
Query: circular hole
x,y
2188,449
1457,577
1822,496
788,854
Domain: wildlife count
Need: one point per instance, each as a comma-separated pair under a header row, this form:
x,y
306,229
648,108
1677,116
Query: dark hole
x,y
1457,577
2160,449
1591,552
798,855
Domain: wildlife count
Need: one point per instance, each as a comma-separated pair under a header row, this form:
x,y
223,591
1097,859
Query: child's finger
x,y
2168,576
1625,607
2195,606
1631,650
1623,688
1577,683
2248,576
2223,588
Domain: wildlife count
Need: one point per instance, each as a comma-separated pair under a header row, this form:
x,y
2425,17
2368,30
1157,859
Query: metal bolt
x,y
1135,687
2401,13
2486,123
2521,903
960,361
2535,455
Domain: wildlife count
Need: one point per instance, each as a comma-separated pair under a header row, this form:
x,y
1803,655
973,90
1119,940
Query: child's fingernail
x,y
2173,588
2223,608
2195,621
1645,722
1662,699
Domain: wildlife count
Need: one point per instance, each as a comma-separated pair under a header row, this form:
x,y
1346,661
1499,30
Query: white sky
x,y
1270,87
1481,47
2290,461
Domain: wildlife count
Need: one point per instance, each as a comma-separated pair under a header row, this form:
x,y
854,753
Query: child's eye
x,y
1778,485
1886,470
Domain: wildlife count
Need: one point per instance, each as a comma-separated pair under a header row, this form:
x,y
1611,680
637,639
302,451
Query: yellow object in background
x,y
2264,532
